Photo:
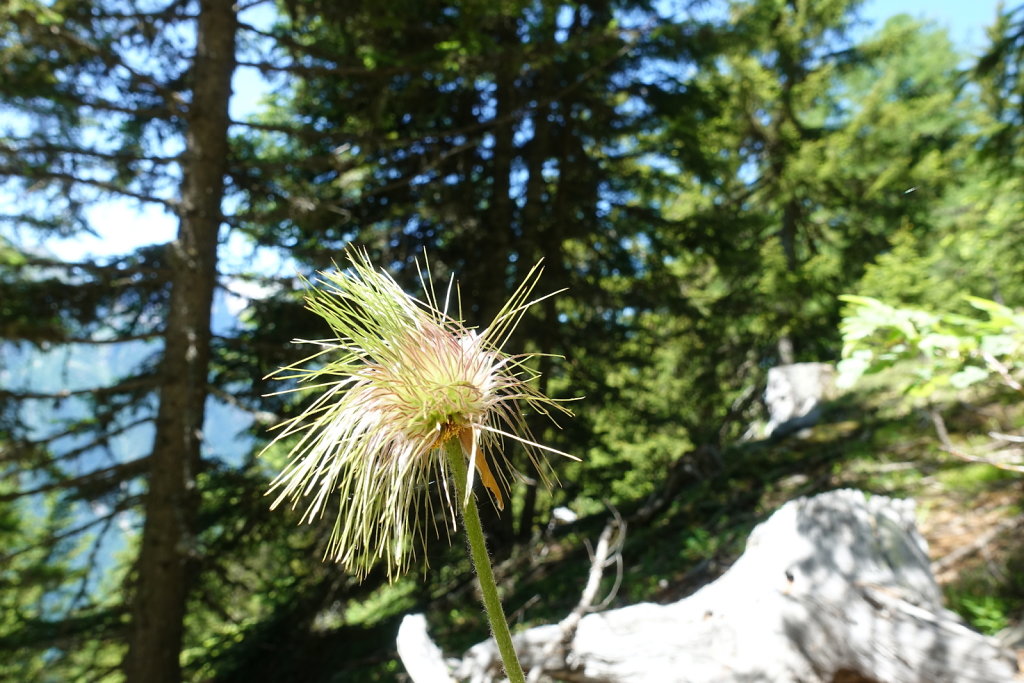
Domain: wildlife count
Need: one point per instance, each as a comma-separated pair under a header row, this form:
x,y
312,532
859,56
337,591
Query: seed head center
x,y
446,409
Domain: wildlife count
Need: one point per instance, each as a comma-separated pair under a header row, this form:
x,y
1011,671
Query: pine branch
x,y
62,633
69,98
146,336
14,451
127,386
307,70
101,480
120,266
89,568
22,146
476,130
122,505
112,59
173,12
58,176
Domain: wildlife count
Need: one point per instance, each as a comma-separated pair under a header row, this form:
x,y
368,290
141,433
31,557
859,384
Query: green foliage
x,y
983,611
973,478
999,74
816,161
954,350
43,582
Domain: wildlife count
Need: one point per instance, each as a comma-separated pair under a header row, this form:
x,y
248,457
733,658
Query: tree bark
x,y
167,552
499,232
496,240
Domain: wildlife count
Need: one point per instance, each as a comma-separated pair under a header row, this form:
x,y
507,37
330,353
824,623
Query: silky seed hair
x,y
400,379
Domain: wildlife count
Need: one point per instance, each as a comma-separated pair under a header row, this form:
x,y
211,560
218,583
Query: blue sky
x,y
965,19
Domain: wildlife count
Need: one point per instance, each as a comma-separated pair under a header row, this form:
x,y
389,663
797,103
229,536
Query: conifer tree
x,y
114,100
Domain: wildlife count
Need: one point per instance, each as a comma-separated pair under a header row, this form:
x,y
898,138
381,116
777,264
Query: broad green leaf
x,y
971,374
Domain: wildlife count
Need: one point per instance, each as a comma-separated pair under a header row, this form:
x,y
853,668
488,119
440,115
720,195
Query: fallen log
x,y
833,588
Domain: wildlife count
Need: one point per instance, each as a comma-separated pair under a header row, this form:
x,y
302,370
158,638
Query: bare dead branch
x,y
262,417
948,447
1012,438
978,544
608,551
1003,371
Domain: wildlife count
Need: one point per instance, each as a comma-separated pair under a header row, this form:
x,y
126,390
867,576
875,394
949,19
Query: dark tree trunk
x,y
166,556
787,235
497,234
499,231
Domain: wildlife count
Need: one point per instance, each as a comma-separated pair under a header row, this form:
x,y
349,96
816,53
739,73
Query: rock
x,y
793,396
831,588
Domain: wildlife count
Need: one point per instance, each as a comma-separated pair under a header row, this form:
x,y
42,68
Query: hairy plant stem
x,y
482,564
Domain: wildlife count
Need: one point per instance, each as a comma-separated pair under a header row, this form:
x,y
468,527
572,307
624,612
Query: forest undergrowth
x,y
969,513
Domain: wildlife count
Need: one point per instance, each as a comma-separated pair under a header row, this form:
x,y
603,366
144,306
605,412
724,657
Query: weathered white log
x,y
834,587
421,656
794,394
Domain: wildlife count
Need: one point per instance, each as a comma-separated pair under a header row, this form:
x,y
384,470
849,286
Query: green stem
x,y
482,564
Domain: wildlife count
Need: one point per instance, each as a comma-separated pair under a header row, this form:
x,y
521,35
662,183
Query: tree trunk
x,y
787,235
167,555
500,217
497,234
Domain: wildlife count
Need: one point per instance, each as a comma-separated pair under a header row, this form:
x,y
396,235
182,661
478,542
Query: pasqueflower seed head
x,y
401,381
